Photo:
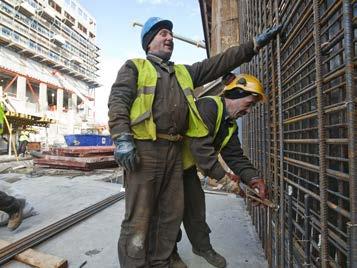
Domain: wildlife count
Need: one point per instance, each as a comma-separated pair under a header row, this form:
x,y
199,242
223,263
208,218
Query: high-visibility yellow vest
x,y
141,118
188,160
24,135
2,115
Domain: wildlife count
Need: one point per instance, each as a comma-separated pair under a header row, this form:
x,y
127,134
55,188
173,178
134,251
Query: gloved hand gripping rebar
x,y
266,36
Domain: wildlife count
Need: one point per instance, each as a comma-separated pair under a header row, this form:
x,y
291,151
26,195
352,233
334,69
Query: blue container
x,y
88,140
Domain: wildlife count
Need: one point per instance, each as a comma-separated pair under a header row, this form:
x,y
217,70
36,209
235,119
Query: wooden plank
x,y
38,259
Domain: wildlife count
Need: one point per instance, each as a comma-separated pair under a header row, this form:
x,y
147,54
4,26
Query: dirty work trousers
x,y
8,203
22,148
153,206
194,219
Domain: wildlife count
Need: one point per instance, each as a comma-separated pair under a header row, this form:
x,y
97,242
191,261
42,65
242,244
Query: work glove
x,y
258,185
232,177
264,38
125,152
230,183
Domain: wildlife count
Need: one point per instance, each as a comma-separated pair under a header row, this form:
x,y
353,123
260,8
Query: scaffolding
x,y
38,31
48,63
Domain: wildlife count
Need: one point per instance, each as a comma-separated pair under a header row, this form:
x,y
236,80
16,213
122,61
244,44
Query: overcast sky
x,y
119,41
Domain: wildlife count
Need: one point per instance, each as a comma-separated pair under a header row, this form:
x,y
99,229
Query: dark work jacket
x,y
170,110
206,149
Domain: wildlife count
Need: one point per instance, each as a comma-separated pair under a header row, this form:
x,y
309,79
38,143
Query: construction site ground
x,y
56,194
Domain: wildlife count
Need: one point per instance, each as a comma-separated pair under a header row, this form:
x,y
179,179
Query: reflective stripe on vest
x,y
189,162
231,129
141,119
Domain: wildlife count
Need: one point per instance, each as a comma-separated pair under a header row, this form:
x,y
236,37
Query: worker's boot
x,y
15,218
176,261
211,257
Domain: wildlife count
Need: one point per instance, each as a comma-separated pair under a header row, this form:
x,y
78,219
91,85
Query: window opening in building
x,y
52,99
55,6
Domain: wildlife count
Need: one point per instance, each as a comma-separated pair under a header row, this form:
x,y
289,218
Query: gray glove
x,y
266,36
125,152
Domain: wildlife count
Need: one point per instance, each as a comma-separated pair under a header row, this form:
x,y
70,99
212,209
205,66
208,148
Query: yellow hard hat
x,y
246,82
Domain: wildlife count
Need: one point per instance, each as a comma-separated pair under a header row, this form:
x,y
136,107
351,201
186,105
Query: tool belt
x,y
169,137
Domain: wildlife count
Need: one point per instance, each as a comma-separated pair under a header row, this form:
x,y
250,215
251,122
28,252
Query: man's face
x,y
239,107
162,45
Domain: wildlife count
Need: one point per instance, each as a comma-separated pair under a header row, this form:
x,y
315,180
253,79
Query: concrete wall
x,y
21,88
225,25
43,97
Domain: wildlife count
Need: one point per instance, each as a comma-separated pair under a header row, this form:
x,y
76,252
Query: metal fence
x,y
303,139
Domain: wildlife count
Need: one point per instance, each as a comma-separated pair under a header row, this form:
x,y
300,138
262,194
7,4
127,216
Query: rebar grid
x,y
304,137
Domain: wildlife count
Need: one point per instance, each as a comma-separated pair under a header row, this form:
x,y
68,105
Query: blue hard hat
x,y
153,23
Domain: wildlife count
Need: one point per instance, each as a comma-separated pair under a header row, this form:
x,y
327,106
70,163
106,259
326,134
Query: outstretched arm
x,y
121,97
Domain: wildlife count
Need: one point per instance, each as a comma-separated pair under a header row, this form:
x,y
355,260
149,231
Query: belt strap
x,y
169,137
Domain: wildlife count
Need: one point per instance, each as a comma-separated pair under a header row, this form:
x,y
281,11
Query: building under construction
x,y
48,65
303,140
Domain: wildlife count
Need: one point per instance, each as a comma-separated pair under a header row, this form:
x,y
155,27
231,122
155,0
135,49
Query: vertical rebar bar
x,y
275,146
322,139
261,105
269,240
260,226
265,227
340,221
267,143
352,129
307,260
290,226
281,146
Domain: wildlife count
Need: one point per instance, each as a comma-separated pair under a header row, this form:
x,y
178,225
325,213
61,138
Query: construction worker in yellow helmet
x,y
219,113
244,82
237,88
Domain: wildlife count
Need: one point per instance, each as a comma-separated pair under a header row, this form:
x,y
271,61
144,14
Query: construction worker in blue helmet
x,y
151,108
149,31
